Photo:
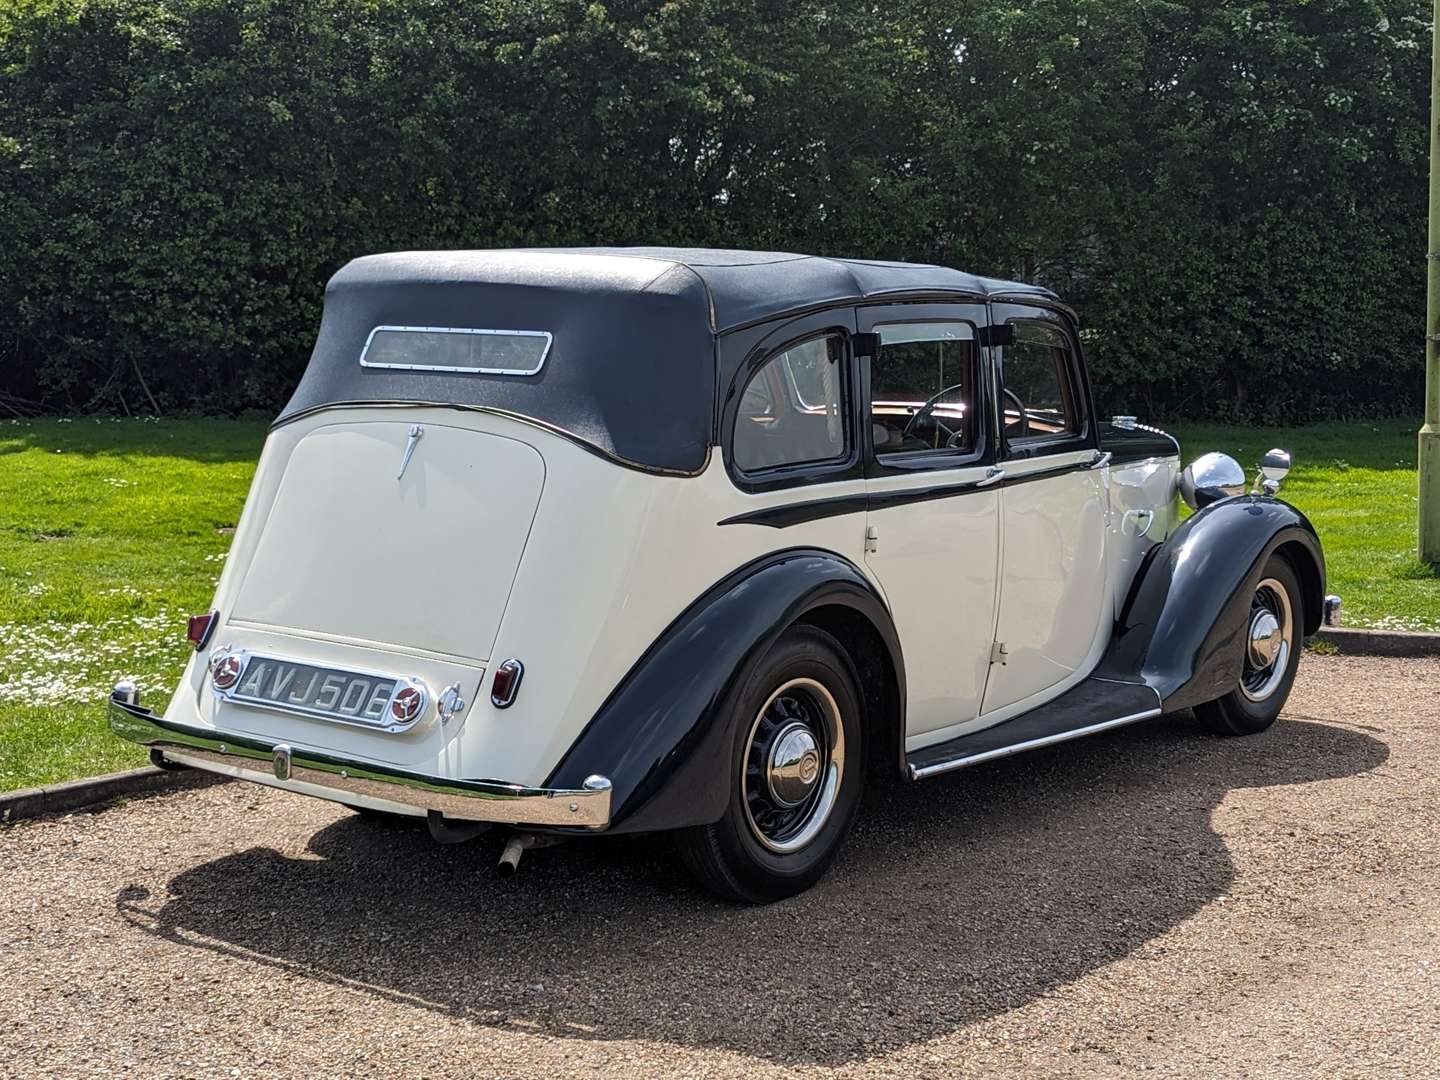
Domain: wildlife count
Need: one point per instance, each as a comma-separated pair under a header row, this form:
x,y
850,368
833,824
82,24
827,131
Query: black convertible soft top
x,y
631,369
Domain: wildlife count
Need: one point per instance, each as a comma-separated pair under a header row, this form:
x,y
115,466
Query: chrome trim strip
x,y
549,340
416,432
338,779
1033,744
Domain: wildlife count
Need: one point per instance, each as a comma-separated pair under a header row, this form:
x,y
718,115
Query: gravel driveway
x,y
1149,900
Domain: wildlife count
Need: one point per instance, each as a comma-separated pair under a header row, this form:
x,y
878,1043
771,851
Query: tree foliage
x,y
1232,194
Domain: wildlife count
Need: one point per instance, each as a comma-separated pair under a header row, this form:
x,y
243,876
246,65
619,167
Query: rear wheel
x,y
796,772
1272,655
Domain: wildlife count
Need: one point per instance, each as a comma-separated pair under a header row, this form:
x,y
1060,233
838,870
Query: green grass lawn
x,y
112,532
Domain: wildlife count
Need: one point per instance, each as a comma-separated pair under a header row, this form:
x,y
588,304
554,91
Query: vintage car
x,y
652,539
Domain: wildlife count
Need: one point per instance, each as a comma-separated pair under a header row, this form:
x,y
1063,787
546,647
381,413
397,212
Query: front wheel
x,y
795,774
1272,656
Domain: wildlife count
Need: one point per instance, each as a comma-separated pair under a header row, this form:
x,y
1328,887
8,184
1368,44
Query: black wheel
x,y
796,772
1272,655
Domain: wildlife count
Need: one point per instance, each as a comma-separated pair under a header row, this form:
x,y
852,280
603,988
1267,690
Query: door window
x,y
792,410
1038,396
922,389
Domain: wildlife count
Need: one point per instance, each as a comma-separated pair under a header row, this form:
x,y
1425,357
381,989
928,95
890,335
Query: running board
x,y
1089,706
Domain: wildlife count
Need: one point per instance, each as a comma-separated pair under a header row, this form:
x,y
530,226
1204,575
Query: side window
x,y
792,410
922,389
1038,398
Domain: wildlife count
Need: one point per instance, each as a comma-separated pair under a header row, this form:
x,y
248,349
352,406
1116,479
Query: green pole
x,y
1429,456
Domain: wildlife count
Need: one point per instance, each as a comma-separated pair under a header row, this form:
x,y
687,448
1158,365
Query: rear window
x,y
445,348
793,408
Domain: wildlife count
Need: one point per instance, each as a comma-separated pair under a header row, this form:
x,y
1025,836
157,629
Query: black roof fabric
x,y
748,286
631,370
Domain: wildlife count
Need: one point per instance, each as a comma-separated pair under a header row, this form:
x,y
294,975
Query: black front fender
x,y
664,736
1182,629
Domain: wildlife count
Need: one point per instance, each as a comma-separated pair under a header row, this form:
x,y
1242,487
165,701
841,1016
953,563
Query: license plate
x,y
348,697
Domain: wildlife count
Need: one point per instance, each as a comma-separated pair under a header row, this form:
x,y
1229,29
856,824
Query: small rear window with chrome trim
x,y
456,349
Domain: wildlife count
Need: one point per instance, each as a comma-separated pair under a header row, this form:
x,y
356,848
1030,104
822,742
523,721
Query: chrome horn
x,y
1274,467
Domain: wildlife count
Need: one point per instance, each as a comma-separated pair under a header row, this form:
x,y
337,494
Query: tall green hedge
x,y
1232,194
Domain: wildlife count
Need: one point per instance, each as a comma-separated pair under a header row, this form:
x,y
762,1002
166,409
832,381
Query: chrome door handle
x,y
1137,522
1102,458
993,475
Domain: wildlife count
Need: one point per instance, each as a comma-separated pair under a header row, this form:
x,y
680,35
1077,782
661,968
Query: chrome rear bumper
x,y
312,773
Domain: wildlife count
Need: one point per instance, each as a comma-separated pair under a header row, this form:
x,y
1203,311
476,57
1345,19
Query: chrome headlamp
x,y
1216,476
1209,478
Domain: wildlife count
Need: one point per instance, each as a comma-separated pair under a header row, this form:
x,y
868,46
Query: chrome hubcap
x,y
794,765
1264,637
1270,642
790,775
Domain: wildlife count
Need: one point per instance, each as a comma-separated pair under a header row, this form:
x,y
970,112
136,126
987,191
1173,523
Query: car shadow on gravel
x,y
954,900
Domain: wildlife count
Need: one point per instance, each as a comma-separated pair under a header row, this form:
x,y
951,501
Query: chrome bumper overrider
x,y
1331,612
312,773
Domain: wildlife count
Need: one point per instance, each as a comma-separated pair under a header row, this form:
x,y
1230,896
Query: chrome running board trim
x,y
964,760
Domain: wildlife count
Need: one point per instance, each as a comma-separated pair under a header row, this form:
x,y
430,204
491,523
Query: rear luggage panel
x,y
422,563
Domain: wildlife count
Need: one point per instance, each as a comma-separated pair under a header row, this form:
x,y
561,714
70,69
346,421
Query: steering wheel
x,y
1024,422
929,407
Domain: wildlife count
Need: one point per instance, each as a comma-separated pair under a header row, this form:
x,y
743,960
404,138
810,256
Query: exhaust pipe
x,y
510,857
518,844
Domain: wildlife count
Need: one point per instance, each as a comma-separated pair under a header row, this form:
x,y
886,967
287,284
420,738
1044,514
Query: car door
x,y
1052,605
932,523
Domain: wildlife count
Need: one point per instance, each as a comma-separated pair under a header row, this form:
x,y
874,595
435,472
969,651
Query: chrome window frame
x,y
544,355
1073,373
933,457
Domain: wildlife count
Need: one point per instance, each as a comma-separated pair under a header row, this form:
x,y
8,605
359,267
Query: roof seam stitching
x,y
855,286
709,296
668,267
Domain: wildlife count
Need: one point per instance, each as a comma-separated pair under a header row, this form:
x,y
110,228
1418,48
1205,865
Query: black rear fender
x,y
664,735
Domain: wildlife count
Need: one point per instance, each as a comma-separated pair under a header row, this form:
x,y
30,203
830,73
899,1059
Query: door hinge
x,y
872,539
998,653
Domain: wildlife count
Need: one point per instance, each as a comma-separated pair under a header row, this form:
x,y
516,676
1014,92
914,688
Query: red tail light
x,y
200,629
506,684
